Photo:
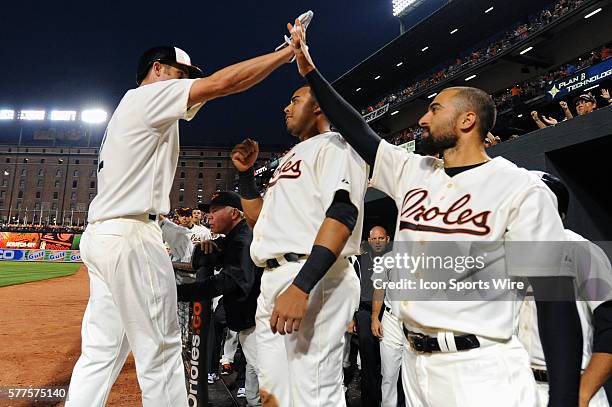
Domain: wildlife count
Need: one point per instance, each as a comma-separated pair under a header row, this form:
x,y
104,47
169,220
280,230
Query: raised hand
x,y
298,42
563,104
551,121
245,154
605,93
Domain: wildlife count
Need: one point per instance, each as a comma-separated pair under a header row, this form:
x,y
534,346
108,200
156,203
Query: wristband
x,y
247,186
319,261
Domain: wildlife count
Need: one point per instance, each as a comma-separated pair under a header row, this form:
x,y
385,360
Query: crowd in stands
x,y
490,48
538,86
508,98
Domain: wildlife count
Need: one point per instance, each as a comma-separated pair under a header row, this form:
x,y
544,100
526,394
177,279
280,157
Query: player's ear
x,y
467,121
316,108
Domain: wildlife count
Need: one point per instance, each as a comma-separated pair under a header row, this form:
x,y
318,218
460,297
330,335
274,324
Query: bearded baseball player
x,y
133,303
307,223
594,301
465,353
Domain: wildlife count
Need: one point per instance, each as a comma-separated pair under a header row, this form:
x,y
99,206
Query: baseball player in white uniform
x,y
133,304
309,221
464,353
593,286
393,342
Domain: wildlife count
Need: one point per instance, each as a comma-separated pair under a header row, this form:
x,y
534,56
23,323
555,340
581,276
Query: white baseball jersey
x,y
590,265
299,193
496,201
140,150
182,240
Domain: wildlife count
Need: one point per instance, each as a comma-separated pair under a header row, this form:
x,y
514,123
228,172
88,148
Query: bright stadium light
x,y
357,90
32,115
399,63
469,78
63,115
433,95
377,77
520,115
94,116
394,112
425,48
7,114
454,31
400,5
592,13
489,10
526,50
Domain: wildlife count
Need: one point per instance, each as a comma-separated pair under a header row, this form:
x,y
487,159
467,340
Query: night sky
x,y
74,55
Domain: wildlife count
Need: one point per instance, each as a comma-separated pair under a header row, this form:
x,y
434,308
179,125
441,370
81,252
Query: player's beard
x,y
436,143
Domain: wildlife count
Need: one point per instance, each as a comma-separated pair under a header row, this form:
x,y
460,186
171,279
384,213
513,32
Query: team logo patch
x,y
458,218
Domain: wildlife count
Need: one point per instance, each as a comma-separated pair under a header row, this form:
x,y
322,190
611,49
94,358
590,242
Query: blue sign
x,y
580,79
11,254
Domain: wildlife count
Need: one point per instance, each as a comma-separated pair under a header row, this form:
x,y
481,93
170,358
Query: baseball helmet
x,y
558,188
165,54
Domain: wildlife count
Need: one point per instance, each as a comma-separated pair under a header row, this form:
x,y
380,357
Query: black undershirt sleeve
x,y
602,326
344,117
561,337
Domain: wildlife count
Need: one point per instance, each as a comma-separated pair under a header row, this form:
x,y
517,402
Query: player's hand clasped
x,y
209,246
245,154
289,310
298,41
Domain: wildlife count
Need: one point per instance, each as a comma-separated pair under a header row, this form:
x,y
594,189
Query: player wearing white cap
x,y
133,304
465,353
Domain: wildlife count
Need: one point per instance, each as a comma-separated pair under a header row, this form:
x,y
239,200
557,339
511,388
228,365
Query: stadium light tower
x,y
32,115
399,6
94,116
63,115
7,114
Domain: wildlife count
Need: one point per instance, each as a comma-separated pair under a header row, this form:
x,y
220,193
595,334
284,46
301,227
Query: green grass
x,y
19,272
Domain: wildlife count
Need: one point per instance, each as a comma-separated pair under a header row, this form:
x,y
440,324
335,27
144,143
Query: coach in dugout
x,y
238,280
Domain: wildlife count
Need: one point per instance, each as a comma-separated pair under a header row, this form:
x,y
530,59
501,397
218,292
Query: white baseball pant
x,y
496,374
599,399
392,346
304,369
132,306
229,347
248,341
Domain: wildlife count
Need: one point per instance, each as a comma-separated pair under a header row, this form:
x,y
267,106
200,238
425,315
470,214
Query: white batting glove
x,y
305,18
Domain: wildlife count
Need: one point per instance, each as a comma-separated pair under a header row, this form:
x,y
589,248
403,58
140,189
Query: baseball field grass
x,y
19,272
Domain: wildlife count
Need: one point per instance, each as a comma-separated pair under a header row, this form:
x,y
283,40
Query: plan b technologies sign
x,y
580,80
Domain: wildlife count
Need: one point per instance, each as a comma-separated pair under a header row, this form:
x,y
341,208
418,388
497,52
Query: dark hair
x,y
477,101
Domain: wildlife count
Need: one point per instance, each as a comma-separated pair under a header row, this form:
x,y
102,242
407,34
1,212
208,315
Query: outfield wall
x,y
35,240
55,256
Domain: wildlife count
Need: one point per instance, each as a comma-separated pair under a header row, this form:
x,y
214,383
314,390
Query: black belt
x,y
426,344
540,375
152,217
290,257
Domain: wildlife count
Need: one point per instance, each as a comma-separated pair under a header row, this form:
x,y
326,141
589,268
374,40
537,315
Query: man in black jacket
x,y
238,280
